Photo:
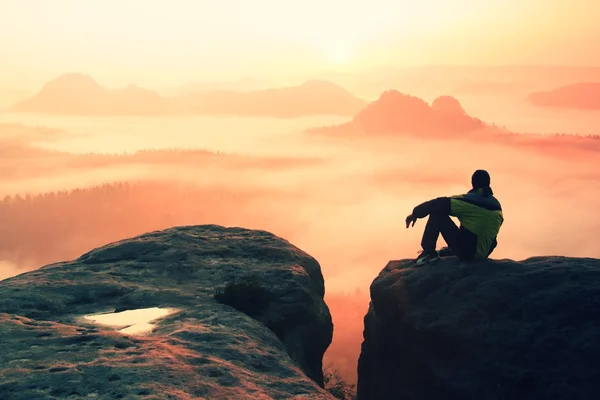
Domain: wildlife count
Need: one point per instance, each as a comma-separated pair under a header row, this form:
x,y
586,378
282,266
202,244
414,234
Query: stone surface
x,y
205,350
487,330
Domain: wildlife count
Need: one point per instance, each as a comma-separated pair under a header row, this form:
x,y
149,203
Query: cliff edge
x,y
261,337
496,329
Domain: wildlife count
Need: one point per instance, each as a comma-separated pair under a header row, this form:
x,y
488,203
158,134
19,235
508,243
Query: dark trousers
x,y
461,242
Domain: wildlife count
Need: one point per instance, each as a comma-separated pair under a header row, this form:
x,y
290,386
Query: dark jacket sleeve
x,y
440,205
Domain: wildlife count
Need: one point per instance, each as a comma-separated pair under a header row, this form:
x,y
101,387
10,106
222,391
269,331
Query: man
x,y
480,216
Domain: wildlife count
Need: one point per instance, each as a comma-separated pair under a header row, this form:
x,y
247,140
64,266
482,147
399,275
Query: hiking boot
x,y
427,257
445,252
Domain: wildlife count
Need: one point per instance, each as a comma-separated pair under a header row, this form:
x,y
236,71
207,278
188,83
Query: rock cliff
x,y
486,330
198,348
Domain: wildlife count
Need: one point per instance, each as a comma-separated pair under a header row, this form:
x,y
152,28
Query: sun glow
x,y
338,54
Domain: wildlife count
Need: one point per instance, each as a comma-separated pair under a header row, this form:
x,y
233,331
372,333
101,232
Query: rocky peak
x,y
228,313
496,329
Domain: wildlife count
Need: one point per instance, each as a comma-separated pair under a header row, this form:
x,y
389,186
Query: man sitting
x,y
480,216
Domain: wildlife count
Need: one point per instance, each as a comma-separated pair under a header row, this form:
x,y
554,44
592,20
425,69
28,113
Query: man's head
x,y
480,179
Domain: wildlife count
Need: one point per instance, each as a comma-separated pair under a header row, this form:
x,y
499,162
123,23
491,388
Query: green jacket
x,y
480,217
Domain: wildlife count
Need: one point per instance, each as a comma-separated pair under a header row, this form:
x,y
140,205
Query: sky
x,y
160,43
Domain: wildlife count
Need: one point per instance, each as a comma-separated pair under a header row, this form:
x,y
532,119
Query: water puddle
x,y
132,322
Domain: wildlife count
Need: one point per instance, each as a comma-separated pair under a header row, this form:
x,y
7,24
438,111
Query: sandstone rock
x,y
395,112
486,330
204,349
448,105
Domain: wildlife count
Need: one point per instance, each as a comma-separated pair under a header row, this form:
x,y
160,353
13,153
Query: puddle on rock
x,y
132,322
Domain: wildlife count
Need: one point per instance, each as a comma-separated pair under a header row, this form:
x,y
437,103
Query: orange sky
x,y
160,43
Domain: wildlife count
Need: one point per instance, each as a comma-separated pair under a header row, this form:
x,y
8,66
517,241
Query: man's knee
x,y
437,216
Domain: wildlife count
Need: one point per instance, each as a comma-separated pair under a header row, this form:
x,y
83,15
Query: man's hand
x,y
409,219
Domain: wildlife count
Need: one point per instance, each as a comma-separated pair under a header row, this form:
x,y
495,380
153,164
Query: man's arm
x,y
440,205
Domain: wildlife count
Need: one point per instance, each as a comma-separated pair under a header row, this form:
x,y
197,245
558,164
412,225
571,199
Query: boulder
x,y
495,329
197,348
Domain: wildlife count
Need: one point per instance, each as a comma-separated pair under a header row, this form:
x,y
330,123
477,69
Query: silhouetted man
x,y
480,216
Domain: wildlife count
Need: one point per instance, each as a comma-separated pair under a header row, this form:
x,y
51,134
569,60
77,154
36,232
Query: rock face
x,y
487,330
205,350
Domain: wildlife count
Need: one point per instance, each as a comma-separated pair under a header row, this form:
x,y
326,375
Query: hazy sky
x,y
161,43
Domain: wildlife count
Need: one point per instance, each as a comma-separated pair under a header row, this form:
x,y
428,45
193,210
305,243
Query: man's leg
x,y
437,224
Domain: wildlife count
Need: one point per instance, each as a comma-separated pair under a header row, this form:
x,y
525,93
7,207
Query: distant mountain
x,y
240,85
480,87
427,80
581,96
78,94
314,97
395,112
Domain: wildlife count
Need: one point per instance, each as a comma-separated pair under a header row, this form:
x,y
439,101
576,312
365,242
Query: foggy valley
x,y
73,183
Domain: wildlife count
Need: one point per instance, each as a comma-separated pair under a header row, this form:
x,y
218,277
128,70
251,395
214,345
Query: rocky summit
x,y
202,312
483,330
